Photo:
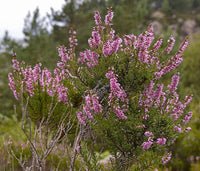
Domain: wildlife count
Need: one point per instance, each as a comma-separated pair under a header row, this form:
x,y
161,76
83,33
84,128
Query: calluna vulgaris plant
x,y
115,89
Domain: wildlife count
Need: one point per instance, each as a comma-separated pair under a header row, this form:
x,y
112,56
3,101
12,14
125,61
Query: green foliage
x,y
181,5
90,159
10,130
191,67
166,7
6,98
39,42
186,149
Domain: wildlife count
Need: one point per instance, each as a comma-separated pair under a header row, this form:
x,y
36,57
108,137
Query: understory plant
x,y
112,96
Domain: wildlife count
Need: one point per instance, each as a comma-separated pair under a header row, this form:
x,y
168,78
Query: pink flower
x,y
14,54
177,128
97,18
147,145
80,118
96,106
109,17
96,38
161,141
90,56
148,134
12,86
167,158
78,148
188,100
174,83
110,74
157,45
188,129
187,117
15,64
119,113
171,42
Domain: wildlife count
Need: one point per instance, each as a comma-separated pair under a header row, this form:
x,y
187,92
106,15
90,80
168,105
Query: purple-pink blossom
x,y
119,113
174,83
109,17
157,45
187,117
12,85
90,56
188,129
178,128
81,118
15,64
119,93
91,106
148,134
161,141
166,158
97,18
170,46
148,144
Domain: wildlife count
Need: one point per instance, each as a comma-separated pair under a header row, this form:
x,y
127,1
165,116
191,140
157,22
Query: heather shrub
x,y
112,95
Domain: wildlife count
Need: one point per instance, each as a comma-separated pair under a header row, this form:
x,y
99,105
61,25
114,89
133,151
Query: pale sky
x,y
13,12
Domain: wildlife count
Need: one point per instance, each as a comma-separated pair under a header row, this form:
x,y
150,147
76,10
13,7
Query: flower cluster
x,y
187,117
172,63
166,158
33,78
67,54
12,85
167,101
138,47
95,41
109,46
116,96
92,106
90,56
97,18
170,45
147,145
109,17
161,141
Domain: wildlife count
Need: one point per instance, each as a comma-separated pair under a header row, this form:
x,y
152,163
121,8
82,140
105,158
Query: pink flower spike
x,y
148,134
161,141
171,42
167,158
15,64
14,54
78,148
109,17
147,145
188,129
97,18
177,128
80,118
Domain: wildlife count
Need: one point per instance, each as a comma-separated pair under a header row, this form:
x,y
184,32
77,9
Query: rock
x,y
107,161
174,28
157,27
157,14
188,27
197,30
180,20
